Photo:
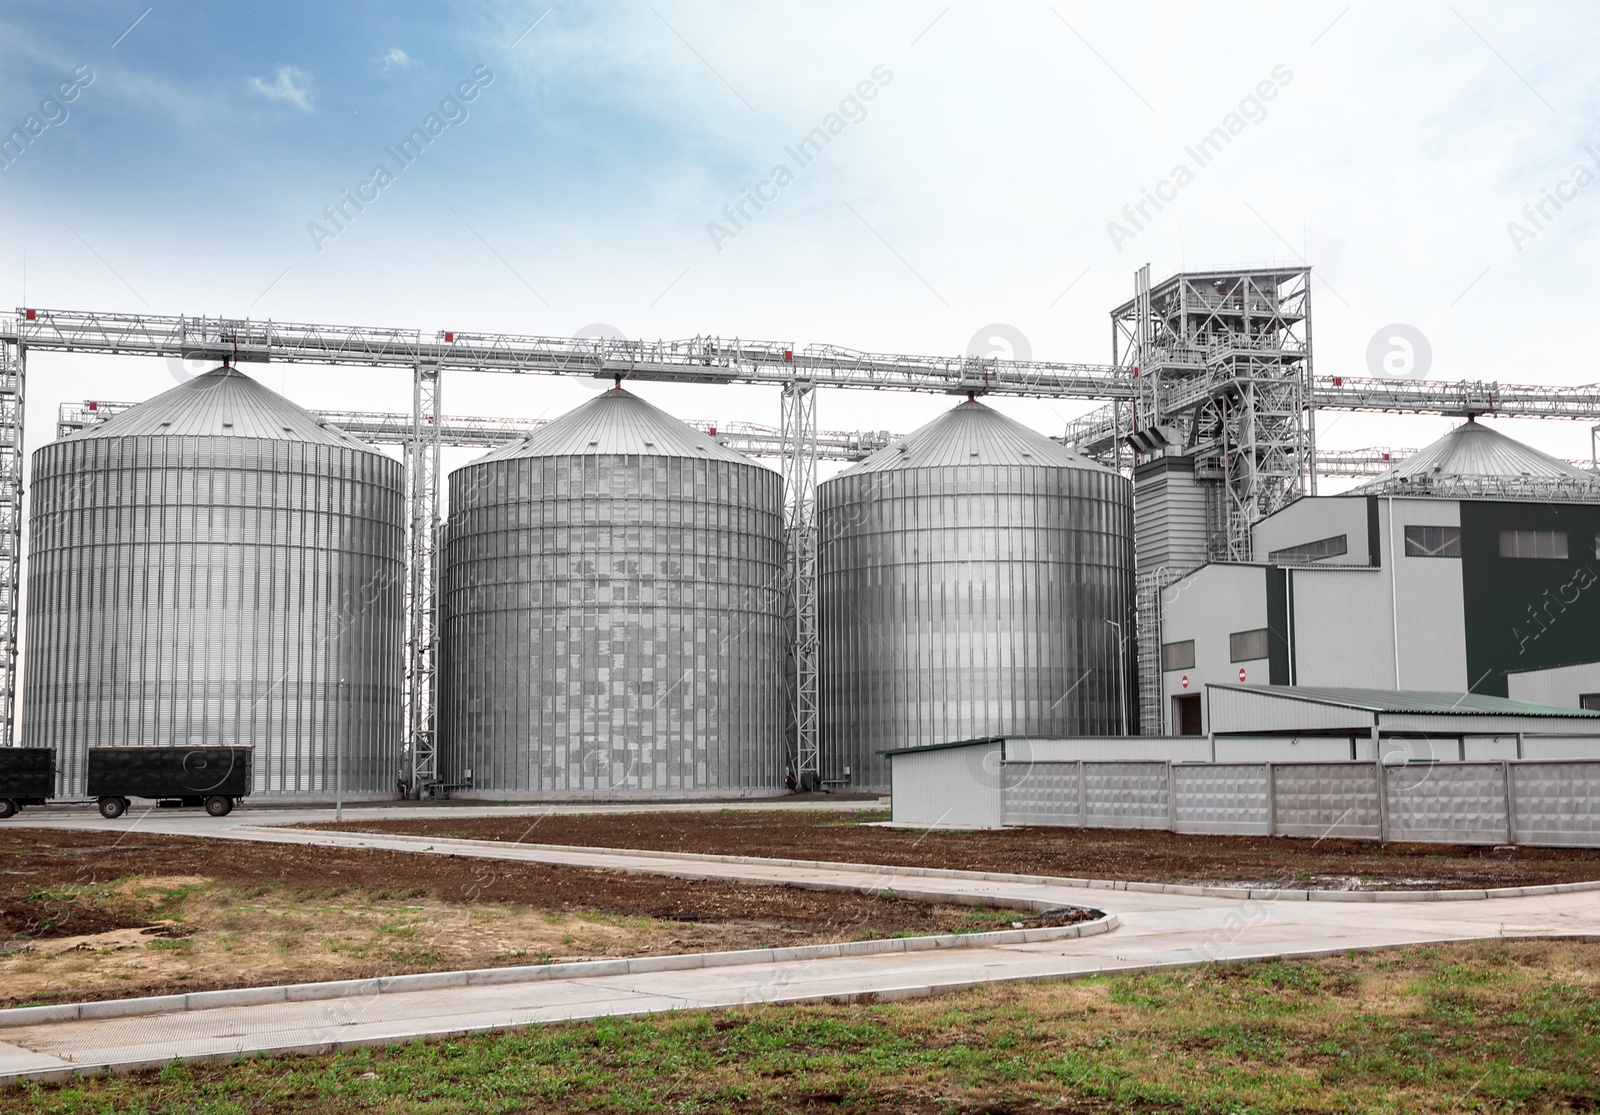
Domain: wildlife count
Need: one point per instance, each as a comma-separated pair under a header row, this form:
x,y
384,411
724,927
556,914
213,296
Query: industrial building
x,y
618,605
1473,562
612,613
1288,761
1575,685
975,577
218,567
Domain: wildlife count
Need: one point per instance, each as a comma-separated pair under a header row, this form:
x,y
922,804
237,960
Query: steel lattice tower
x,y
1222,363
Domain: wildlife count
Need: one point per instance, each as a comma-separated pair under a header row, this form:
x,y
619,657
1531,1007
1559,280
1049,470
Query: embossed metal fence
x,y
1497,802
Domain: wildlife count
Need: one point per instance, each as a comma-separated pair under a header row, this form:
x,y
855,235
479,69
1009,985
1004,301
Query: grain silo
x,y
975,580
612,613
217,566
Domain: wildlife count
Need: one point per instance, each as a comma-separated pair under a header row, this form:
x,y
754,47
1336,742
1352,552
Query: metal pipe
x,y
1122,687
1394,596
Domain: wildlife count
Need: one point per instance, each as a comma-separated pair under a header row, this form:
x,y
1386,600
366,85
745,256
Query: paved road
x,y
1155,930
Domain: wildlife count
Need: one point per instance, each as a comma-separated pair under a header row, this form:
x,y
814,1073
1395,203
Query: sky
x,y
586,158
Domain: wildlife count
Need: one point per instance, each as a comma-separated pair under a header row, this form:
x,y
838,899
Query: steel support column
x,y
13,379
422,491
799,430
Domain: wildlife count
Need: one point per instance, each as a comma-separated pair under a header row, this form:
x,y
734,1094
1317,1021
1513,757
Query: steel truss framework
x,y
13,380
749,438
1199,380
1222,360
462,431
800,530
422,620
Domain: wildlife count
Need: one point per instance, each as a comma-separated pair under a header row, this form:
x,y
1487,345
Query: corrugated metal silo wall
x,y
970,601
217,590
613,624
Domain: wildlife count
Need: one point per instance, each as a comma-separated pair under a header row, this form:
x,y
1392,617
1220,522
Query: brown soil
x,y
1148,856
160,914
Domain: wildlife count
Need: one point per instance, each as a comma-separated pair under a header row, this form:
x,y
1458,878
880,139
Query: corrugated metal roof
x,y
1473,459
223,402
973,434
616,423
1410,701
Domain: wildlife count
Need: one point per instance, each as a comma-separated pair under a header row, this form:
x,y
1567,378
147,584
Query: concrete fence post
x,y
1383,800
1272,798
1083,796
1506,772
1172,798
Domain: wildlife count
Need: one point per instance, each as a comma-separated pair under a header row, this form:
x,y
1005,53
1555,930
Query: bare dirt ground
x,y
1149,856
84,918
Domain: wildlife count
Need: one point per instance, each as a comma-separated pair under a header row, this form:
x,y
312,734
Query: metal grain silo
x,y
217,566
612,612
970,577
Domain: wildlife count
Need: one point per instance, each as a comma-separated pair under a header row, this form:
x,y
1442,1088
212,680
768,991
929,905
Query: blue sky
x,y
975,187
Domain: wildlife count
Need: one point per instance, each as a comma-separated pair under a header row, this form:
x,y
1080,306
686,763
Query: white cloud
x,y
398,59
289,84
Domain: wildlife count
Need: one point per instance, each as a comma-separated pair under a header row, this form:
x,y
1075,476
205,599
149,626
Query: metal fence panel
x,y
1126,795
949,786
1454,803
1557,803
1222,798
1327,800
1042,793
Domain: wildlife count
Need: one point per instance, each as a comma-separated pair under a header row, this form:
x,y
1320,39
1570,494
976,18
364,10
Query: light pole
x,y
1122,687
338,770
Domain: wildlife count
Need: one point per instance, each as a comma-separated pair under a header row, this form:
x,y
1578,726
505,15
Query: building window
x,y
1433,542
1313,551
1533,544
1246,646
1177,656
1589,701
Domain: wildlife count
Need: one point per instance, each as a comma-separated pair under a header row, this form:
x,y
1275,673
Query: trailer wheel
x,y
112,808
219,806
8,808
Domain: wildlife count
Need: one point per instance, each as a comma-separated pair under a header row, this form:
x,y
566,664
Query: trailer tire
x,y
219,806
112,808
8,808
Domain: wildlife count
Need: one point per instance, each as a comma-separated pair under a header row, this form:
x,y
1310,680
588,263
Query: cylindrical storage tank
x,y
218,567
612,613
970,577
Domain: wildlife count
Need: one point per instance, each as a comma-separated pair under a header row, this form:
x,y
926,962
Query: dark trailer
x,y
215,777
27,777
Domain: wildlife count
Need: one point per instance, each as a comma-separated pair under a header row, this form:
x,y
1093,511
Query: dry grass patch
x,y
185,932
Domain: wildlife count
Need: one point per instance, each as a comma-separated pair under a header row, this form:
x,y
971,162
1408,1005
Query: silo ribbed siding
x,y
613,623
962,601
217,590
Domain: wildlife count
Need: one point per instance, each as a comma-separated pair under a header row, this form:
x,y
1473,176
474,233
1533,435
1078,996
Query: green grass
x,y
1496,1027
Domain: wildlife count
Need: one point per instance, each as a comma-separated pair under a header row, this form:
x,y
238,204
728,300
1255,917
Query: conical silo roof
x,y
223,402
973,434
617,423
1472,459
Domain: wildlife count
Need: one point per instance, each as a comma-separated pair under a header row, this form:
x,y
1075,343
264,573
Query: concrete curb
x,y
1192,890
78,1070
532,973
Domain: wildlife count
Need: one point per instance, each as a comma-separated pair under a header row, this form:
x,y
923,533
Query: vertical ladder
x,y
1147,597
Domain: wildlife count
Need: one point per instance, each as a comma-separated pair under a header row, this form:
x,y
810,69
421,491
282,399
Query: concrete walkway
x,y
1155,930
